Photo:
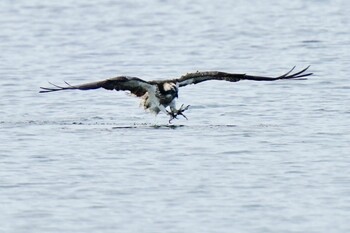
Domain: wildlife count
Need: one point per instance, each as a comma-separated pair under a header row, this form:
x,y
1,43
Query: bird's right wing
x,y
198,77
122,83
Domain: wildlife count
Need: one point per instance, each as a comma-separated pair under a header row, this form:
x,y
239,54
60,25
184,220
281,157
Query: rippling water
x,y
253,157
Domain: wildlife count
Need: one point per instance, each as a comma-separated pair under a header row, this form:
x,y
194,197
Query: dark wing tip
x,y
56,88
45,90
298,75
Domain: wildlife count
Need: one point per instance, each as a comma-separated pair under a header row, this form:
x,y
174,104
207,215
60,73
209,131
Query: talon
x,y
183,115
172,116
186,108
182,109
174,113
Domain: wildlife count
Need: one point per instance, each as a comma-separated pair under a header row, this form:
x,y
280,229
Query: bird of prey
x,y
157,95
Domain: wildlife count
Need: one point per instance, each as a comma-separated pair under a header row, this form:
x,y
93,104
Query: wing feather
x,y
198,77
122,83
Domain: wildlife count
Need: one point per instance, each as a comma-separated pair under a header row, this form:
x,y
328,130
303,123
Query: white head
x,y
171,88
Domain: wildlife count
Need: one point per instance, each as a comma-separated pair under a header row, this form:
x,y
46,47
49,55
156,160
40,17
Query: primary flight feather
x,y
157,95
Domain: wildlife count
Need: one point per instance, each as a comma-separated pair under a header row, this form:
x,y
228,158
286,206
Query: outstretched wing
x,y
197,77
122,83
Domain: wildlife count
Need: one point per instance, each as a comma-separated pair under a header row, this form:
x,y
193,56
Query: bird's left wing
x,y
197,77
122,83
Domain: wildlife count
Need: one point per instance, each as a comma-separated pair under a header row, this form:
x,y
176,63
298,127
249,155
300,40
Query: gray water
x,y
253,156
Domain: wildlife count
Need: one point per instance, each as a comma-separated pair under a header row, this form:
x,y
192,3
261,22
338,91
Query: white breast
x,y
150,102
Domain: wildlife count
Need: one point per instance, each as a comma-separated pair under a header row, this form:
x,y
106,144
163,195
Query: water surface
x,y
253,157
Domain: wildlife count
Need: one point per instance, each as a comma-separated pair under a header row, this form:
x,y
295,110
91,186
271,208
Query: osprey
x,y
157,95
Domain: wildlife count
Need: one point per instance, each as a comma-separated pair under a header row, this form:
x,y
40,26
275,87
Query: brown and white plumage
x,y
157,95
